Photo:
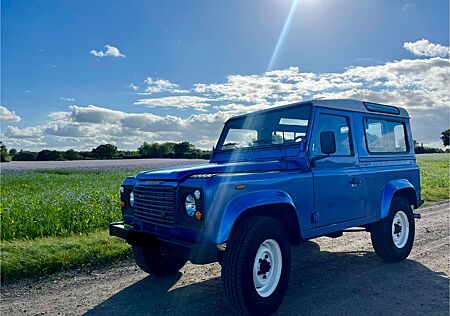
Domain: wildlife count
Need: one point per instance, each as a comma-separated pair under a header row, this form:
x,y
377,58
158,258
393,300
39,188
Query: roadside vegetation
x,y
434,177
53,220
57,203
151,150
108,151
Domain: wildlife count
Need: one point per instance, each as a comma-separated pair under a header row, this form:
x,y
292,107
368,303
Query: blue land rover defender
x,y
278,177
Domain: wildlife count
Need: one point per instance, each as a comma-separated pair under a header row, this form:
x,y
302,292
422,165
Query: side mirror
x,y
327,143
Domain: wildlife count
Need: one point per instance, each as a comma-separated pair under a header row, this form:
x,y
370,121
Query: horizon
x,y
78,74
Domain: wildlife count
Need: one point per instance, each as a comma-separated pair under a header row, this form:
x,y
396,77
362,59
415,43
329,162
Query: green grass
x,y
434,177
28,258
54,220
58,202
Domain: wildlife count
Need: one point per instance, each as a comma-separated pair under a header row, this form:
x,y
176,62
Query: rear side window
x,y
384,136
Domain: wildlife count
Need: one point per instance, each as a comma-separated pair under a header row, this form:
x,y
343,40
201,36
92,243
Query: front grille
x,y
155,204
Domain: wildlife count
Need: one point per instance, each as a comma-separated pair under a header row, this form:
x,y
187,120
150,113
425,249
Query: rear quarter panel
x,y
381,170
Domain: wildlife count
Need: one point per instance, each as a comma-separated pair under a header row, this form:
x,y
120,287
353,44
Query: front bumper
x,y
199,253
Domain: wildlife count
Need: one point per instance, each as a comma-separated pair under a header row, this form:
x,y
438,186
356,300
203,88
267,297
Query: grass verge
x,y
54,203
434,177
30,258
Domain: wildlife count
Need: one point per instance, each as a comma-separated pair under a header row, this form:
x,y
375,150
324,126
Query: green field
x,y
434,177
58,202
53,220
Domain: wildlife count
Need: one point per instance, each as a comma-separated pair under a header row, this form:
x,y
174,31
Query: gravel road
x,y
144,164
339,276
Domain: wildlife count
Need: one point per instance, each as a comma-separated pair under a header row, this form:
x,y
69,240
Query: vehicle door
x,y
338,182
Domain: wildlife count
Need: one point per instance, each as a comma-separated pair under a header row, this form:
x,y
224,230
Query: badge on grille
x,y
153,182
163,214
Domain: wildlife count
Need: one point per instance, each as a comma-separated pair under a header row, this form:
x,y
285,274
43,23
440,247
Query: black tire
x,y
239,259
382,235
154,262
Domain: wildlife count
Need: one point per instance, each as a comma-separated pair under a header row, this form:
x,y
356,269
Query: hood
x,y
180,173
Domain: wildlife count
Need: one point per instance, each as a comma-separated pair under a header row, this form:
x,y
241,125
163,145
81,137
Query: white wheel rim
x,y
267,268
400,229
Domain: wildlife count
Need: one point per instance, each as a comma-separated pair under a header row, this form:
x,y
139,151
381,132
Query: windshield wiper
x,y
262,142
232,145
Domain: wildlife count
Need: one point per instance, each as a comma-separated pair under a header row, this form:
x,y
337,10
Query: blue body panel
x,y
329,195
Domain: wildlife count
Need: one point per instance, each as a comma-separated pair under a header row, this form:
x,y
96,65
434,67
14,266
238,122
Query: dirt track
x,y
339,276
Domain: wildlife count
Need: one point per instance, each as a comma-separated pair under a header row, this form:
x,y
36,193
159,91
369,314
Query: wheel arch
x,y
402,188
277,205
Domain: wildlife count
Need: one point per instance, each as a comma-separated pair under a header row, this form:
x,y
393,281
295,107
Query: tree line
x,y
108,151
150,150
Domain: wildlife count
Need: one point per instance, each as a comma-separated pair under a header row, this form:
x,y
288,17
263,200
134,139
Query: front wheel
x,y
155,262
256,266
393,236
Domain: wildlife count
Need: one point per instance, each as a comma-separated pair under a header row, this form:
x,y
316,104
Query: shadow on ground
x,y
322,283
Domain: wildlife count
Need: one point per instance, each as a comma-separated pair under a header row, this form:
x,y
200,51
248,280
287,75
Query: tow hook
x,y
417,216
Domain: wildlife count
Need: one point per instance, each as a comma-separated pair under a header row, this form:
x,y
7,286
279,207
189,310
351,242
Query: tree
x,y
49,155
445,137
106,151
147,150
183,150
12,152
156,150
4,156
24,156
71,155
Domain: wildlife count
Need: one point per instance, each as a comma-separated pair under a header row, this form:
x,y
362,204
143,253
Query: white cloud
x,y
87,127
110,51
424,48
94,114
420,85
179,102
133,86
408,6
67,99
27,132
8,115
161,85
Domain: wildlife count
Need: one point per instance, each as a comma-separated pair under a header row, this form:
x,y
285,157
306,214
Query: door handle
x,y
355,182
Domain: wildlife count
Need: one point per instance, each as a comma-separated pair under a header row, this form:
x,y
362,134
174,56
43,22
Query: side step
x,y
349,230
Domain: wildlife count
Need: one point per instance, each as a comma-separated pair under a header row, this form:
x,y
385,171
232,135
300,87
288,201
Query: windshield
x,y
273,128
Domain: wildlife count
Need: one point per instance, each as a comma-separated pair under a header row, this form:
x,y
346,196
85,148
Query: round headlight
x,y
189,205
132,198
197,194
121,190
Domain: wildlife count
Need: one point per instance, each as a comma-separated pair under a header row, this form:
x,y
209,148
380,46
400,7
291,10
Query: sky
x,y
77,74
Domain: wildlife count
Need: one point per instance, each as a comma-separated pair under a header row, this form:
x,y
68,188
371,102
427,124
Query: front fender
x,y
245,201
389,191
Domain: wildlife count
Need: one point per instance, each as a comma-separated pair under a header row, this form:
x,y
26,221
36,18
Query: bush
x,y
4,156
71,155
106,151
24,156
49,155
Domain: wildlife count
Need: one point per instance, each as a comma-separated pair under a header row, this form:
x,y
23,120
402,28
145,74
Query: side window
x,y
384,136
341,128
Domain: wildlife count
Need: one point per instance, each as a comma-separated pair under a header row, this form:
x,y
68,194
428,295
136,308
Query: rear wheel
x,y
155,262
393,236
256,266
